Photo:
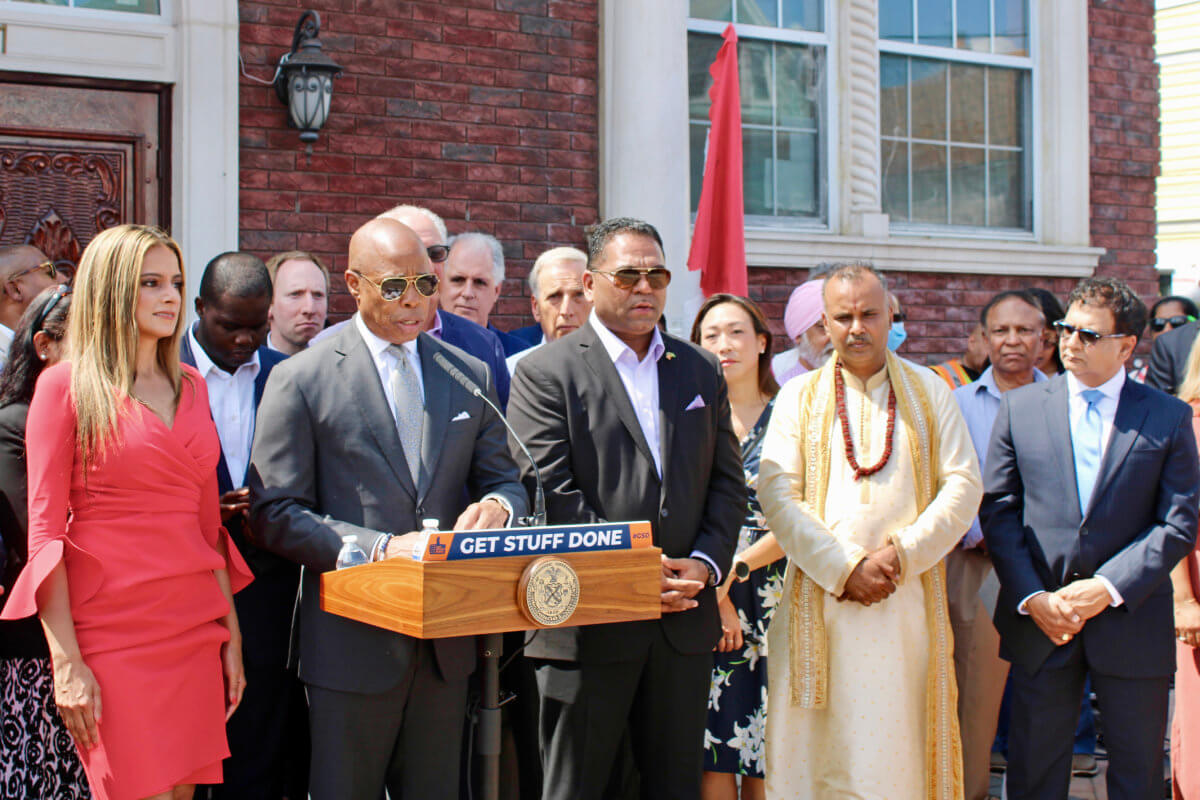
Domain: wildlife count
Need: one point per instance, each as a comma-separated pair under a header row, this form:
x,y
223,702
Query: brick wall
x,y
1124,114
483,110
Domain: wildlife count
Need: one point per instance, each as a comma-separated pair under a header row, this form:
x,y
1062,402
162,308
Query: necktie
x,y
1085,438
410,409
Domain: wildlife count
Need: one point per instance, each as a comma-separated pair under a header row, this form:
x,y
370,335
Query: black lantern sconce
x,y
304,79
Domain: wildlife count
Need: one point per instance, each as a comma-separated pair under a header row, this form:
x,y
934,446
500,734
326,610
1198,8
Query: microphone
x,y
539,498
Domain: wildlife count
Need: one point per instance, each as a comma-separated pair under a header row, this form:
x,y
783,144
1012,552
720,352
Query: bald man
x,y
364,435
25,271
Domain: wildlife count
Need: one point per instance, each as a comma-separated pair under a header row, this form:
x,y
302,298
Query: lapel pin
x,y
670,356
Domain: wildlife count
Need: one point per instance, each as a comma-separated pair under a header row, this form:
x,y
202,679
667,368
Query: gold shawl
x,y
808,660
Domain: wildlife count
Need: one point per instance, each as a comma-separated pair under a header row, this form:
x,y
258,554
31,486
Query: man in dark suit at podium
x,y
627,423
364,435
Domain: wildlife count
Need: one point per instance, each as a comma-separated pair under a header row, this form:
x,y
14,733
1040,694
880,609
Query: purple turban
x,y
803,308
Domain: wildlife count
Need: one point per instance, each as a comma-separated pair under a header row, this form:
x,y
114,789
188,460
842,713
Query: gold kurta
x,y
868,737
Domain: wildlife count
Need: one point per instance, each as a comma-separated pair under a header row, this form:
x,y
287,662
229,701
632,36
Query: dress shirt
x,y
6,340
979,403
640,379
1106,406
231,401
511,361
385,363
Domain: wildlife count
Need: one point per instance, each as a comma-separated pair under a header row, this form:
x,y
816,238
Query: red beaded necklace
x,y
840,393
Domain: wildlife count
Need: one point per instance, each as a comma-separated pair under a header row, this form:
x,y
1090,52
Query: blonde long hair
x,y
103,334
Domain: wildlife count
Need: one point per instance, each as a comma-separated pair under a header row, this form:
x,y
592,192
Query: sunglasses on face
x,y
1159,324
395,287
62,291
437,253
628,277
1086,335
48,266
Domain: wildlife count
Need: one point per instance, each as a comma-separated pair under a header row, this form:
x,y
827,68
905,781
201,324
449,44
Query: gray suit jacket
x,y
327,463
1140,521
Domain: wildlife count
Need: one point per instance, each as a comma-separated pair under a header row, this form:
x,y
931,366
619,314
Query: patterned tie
x,y
1085,439
410,409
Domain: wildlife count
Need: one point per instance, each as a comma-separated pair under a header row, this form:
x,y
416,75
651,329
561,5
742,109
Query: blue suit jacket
x,y
511,344
529,335
1140,521
481,343
264,607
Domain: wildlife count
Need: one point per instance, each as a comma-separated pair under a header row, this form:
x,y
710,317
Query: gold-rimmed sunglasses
x,y
629,277
395,287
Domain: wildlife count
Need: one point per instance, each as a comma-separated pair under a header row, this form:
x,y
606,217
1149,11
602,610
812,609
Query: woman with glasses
x,y
734,330
24,273
37,758
129,568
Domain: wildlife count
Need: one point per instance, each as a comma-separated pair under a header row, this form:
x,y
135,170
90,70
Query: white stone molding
x,y
858,59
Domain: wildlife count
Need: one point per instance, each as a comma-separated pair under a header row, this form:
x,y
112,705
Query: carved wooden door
x,y
76,159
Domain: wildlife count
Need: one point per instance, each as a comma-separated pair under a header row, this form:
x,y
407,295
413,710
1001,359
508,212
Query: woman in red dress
x,y
129,568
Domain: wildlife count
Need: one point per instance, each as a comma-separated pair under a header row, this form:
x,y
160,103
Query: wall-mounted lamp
x,y
304,79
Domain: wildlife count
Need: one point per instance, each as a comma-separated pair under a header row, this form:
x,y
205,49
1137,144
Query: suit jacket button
x,y
665,513
420,511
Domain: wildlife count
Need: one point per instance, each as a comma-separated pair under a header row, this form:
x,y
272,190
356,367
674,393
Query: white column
x,y
204,194
857,57
644,134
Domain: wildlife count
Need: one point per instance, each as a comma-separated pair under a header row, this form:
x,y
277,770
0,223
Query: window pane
x,y
757,163
697,136
895,180
754,72
1005,104
702,49
896,20
1012,27
973,25
929,183
933,23
798,85
758,12
46,2
1007,197
796,174
137,6
967,186
893,96
928,99
711,9
967,103
803,14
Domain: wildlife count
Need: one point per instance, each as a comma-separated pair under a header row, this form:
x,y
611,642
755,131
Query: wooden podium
x,y
489,596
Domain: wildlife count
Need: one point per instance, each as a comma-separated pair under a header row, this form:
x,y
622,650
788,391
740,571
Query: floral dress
x,y
737,699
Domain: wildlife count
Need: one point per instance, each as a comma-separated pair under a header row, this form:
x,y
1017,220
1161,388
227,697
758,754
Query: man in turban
x,y
802,321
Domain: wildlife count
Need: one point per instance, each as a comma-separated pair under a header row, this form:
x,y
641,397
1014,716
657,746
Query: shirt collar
x,y
436,330
4,329
205,365
1111,388
616,348
378,346
987,382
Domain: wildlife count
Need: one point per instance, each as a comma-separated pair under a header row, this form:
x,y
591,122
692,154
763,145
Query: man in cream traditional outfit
x,y
868,480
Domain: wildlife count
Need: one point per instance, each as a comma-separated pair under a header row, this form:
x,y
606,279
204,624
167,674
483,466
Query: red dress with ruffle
x,y
139,541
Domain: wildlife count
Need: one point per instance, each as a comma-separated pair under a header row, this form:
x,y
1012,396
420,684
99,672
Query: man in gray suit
x,y
1090,500
364,435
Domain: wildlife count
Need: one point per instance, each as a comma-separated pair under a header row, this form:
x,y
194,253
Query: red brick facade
x,y
487,112
483,110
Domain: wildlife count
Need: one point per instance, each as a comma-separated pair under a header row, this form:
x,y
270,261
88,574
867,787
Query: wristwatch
x,y
712,573
741,570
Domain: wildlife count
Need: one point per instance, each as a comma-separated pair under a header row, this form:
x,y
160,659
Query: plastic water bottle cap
x,y
429,523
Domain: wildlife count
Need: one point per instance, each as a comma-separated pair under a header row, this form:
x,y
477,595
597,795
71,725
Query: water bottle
x,y
428,528
351,555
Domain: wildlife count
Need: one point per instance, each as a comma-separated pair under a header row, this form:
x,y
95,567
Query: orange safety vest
x,y
953,373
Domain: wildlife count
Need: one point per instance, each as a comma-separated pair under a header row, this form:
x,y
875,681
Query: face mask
x,y
896,336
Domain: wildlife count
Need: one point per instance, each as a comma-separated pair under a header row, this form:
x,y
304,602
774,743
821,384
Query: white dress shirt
x,y
1106,406
511,361
640,379
6,339
231,400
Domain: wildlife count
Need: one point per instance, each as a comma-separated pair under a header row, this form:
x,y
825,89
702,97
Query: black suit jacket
x,y
1168,358
569,406
1140,521
265,607
328,463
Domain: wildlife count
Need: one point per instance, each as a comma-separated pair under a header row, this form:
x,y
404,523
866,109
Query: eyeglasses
x,y
395,287
61,291
629,277
437,252
51,271
1086,335
1160,323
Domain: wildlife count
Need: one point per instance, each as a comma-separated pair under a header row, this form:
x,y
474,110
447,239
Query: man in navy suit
x,y
226,345
1090,500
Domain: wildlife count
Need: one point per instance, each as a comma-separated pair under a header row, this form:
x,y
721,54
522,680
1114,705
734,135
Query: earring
x,y
42,356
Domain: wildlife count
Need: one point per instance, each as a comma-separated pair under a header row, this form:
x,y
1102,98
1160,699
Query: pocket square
x,y
461,416
697,402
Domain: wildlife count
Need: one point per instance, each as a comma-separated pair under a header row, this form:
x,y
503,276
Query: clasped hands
x,y
1061,614
874,577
